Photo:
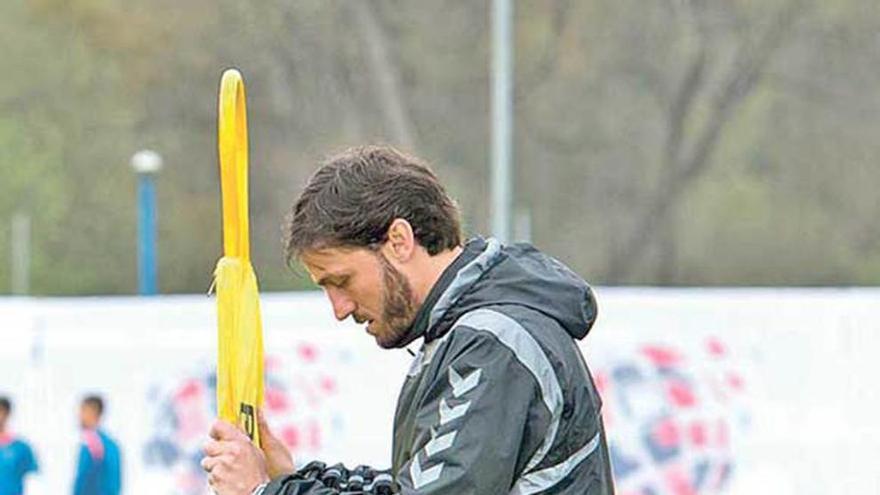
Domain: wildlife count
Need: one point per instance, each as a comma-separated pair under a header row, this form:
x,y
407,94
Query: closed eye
x,y
337,281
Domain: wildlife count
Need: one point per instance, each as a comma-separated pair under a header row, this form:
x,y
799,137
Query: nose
x,y
343,306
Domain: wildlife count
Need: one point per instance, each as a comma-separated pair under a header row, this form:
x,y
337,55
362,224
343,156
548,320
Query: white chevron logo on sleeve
x,y
439,444
448,414
461,386
421,478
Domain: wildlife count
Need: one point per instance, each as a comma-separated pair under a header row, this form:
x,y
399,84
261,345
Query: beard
x,y
398,305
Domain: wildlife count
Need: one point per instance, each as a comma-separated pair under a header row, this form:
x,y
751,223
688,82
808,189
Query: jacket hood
x,y
490,274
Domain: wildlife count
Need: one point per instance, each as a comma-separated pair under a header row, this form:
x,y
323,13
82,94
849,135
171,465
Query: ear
x,y
401,243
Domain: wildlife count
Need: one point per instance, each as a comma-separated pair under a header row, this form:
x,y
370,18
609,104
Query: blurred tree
x,y
672,142
690,139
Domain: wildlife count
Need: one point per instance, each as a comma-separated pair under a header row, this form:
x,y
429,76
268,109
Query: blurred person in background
x,y
16,457
98,470
497,401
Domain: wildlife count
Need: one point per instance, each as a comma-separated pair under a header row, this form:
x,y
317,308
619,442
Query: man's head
x,y
90,410
5,411
375,228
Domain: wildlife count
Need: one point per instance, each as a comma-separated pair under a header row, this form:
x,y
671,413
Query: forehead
x,y
329,262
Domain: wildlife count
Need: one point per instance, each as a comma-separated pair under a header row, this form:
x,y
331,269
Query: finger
x,y
216,464
221,430
261,420
212,481
213,448
263,426
209,463
220,473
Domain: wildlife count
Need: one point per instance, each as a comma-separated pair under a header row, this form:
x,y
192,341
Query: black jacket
x,y
499,399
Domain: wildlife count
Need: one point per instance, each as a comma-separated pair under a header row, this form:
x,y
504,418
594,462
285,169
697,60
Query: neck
x,y
435,266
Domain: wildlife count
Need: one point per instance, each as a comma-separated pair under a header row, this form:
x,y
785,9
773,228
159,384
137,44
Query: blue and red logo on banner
x,y
670,415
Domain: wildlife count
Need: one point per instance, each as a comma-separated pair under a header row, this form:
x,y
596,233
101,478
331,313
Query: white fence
x,y
745,391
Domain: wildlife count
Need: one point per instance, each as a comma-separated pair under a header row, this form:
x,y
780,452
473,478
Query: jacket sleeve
x,y
114,470
29,464
317,478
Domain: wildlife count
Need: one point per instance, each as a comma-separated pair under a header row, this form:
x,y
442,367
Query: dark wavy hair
x,y
351,200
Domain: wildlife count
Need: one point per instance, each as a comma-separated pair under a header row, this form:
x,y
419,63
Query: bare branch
x,y
550,56
681,106
741,80
384,73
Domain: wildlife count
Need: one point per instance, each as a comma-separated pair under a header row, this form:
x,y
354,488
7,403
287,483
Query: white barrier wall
x,y
740,391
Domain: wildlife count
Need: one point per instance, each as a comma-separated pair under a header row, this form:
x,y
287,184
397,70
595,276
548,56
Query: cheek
x,y
368,298
369,290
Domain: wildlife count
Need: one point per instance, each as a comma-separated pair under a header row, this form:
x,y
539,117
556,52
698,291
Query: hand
x,y
234,465
278,458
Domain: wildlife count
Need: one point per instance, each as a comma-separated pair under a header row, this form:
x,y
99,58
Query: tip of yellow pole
x,y
232,73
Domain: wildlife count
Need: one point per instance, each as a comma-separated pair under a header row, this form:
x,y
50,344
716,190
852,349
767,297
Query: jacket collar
x,y
477,257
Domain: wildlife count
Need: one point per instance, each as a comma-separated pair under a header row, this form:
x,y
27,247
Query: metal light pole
x,y
146,164
502,118
21,253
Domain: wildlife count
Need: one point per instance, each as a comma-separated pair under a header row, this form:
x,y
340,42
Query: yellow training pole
x,y
239,329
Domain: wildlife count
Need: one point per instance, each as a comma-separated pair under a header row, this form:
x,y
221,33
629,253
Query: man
x,y
98,468
498,400
16,457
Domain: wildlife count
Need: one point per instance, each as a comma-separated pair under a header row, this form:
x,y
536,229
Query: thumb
x,y
265,432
